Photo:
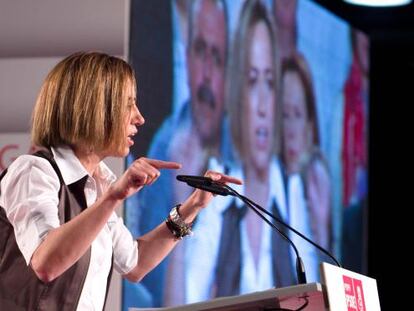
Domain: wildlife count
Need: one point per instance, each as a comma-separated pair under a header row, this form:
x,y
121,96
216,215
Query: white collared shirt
x,y
30,199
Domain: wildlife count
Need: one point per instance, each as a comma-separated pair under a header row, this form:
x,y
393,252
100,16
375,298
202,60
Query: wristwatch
x,y
178,227
176,218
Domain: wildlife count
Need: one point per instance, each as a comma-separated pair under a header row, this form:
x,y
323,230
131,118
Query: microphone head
x,y
194,179
204,183
213,188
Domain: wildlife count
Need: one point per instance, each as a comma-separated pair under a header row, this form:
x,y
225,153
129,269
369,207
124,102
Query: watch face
x,y
176,225
176,218
174,214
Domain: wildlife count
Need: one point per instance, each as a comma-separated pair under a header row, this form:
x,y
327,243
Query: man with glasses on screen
x,y
194,134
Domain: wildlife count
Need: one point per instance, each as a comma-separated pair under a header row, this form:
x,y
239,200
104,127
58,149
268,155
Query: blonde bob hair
x,y
83,102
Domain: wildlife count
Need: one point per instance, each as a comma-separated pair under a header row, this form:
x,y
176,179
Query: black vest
x,y
229,261
20,289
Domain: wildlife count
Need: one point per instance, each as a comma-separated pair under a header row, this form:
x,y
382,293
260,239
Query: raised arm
x,y
156,244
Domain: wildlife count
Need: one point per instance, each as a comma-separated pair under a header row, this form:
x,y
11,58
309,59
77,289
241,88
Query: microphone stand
x,y
207,184
250,202
300,267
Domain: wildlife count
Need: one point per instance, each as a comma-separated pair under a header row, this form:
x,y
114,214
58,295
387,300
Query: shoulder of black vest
x,y
48,155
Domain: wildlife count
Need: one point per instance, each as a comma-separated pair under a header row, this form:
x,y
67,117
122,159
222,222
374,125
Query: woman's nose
x,y
137,118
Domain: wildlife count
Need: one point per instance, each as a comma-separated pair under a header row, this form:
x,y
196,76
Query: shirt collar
x,y
72,169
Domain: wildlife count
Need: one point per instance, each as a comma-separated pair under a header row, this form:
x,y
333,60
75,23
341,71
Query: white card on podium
x,y
349,291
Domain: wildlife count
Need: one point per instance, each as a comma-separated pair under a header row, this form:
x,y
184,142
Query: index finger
x,y
159,164
233,180
222,178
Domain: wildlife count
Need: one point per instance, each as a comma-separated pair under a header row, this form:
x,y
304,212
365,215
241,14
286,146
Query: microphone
x,y
323,250
204,183
207,184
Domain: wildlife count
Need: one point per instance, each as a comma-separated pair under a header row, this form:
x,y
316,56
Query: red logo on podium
x,y
354,294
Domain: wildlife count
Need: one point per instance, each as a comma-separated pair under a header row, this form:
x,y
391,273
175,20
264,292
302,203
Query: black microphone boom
x,y
207,184
300,267
323,250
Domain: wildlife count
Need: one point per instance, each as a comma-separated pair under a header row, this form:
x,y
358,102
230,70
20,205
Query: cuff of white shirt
x,y
129,262
125,247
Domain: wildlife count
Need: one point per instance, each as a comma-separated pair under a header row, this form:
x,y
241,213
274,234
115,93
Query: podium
x,y
292,297
341,290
